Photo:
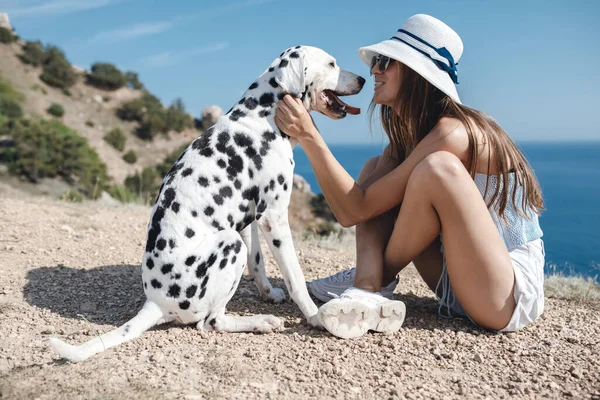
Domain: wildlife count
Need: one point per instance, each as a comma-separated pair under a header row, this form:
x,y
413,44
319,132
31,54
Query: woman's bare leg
x,y
441,196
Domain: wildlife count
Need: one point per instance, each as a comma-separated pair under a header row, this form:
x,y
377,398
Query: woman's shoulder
x,y
450,134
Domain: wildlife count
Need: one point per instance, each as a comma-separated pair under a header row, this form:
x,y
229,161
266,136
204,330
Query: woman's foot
x,y
358,311
333,286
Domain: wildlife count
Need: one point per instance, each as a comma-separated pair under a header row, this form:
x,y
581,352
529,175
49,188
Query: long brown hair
x,y
421,105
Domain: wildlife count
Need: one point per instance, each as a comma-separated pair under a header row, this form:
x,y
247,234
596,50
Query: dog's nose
x,y
361,81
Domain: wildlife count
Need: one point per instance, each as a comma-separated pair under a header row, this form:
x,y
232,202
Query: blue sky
x,y
533,65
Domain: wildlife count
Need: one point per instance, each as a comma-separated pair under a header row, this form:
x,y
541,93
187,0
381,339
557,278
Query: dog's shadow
x,y
113,294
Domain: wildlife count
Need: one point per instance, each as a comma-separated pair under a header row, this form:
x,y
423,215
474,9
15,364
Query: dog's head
x,y
313,75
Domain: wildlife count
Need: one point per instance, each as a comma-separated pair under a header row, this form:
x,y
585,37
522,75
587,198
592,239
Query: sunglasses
x,y
383,62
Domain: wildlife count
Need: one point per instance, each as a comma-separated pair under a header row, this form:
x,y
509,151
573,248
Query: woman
x,y
450,193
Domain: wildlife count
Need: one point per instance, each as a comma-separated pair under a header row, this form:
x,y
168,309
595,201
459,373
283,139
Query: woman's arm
x,y
349,202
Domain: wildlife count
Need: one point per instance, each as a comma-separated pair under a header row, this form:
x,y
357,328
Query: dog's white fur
x,y
203,230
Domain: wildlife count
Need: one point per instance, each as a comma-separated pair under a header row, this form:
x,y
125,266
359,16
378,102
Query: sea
x,y
569,174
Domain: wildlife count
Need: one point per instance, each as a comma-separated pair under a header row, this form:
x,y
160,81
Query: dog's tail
x,y
145,319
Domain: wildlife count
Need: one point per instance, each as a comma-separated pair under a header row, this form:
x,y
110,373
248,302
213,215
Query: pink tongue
x,y
349,109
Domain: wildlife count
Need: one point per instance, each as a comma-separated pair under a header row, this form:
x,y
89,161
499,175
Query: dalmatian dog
x,y
233,180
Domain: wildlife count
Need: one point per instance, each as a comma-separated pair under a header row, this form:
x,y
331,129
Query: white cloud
x,y
170,58
133,31
58,7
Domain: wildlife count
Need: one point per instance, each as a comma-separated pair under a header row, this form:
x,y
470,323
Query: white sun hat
x,y
428,46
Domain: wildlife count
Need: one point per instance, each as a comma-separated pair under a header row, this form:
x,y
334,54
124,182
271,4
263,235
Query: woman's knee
x,y
439,167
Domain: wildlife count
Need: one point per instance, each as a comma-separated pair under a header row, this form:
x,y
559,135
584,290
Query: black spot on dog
x,y
202,293
211,260
251,194
177,276
264,113
208,211
215,224
223,138
271,69
269,136
244,208
213,322
258,216
155,284
251,103
230,219
276,243
285,186
273,83
226,191
207,152
161,244
203,181
250,173
257,258
236,115
237,247
175,207
294,54
150,263
266,189
242,100
216,179
218,199
233,259
266,100
191,291
283,63
190,260
172,243
277,197
280,179
204,282
189,233
297,47
272,184
236,165
221,163
242,140
280,96
223,263
221,243
168,197
174,290
201,270
145,285
184,305
237,184
253,86
194,213
187,172
262,206
167,268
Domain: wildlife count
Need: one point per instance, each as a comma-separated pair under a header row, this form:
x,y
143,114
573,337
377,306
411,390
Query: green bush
x,y
66,92
116,139
320,207
145,185
50,149
39,88
10,107
72,196
57,69
136,110
106,76
6,35
89,123
177,119
133,80
33,54
130,157
56,110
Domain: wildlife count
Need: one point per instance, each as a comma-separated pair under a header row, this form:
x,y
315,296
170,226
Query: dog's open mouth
x,y
337,106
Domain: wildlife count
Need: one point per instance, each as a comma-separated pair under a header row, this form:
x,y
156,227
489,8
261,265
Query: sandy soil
x,y
71,270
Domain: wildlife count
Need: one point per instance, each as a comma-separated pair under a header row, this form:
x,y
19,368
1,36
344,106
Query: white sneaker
x,y
333,286
358,311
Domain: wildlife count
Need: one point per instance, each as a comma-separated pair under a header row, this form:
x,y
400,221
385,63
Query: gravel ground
x,y
71,270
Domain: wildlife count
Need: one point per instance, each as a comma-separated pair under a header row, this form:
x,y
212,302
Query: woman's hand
x,y
293,119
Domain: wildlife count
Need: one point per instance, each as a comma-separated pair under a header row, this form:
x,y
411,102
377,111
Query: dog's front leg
x,y
256,265
276,230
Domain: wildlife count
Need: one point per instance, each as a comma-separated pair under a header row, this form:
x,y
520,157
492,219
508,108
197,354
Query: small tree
x,y
6,35
130,157
10,107
106,76
56,109
133,80
57,69
116,139
33,53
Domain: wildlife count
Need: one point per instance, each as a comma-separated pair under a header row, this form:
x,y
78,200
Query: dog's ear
x,y
290,72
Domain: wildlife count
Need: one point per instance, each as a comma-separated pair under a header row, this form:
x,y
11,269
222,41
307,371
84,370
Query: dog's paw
x,y
269,323
276,295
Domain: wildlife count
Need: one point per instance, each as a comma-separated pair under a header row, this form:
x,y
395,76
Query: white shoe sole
x,y
350,318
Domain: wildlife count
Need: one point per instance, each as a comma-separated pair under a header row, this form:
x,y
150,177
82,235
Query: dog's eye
x,y
332,64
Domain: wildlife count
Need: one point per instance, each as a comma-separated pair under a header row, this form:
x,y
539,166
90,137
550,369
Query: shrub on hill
x,y
33,53
144,186
10,101
130,157
49,149
106,76
133,80
56,110
116,139
57,69
6,35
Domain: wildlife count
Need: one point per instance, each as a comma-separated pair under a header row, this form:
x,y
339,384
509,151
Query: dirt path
x,y
72,271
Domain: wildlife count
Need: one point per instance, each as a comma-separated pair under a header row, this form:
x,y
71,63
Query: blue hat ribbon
x,y
442,57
